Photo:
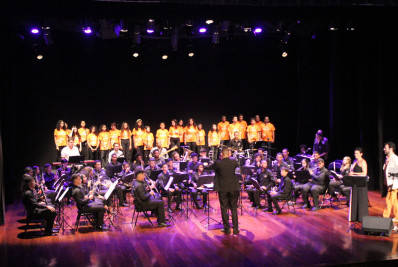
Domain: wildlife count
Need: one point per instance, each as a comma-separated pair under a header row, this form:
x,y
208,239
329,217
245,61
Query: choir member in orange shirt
x,y
105,144
181,130
115,134
214,141
83,131
76,138
234,127
259,123
253,133
242,130
268,133
191,135
60,137
223,131
148,142
125,136
138,133
175,134
201,142
162,135
92,143
68,131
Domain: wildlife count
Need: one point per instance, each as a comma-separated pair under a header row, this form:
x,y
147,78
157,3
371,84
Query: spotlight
x,y
87,30
150,31
135,54
202,30
123,27
38,52
257,30
164,57
284,54
313,37
39,56
247,29
48,40
34,30
191,54
150,26
209,21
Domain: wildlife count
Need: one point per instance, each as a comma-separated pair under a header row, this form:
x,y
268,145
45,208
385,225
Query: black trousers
x,y
170,195
254,195
139,149
175,141
229,200
338,185
98,210
315,190
194,196
297,189
224,142
192,146
84,150
274,199
47,215
92,155
146,155
59,153
157,206
215,152
126,150
104,157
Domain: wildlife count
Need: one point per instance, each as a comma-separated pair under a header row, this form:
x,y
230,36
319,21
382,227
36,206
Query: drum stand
x,y
208,218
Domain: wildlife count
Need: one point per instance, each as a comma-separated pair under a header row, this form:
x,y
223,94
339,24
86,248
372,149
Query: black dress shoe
x,y
236,231
226,231
277,212
315,208
163,224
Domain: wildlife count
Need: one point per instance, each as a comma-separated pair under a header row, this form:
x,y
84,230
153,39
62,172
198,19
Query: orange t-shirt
x,y
92,140
223,130
148,140
163,136
181,131
138,135
61,138
125,134
252,133
83,133
76,140
174,132
115,135
214,139
267,132
232,128
259,124
242,129
68,132
201,138
105,138
190,133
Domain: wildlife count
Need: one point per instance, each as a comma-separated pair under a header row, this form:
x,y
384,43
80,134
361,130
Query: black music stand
x,y
114,214
154,174
358,198
302,177
76,160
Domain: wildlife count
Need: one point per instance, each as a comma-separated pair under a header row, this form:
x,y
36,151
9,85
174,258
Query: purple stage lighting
x,y
258,30
87,30
34,30
150,31
202,30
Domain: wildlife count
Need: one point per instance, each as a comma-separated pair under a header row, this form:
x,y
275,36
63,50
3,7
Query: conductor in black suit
x,y
227,185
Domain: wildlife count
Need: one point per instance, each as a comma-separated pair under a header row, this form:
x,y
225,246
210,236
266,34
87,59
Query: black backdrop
x,y
342,82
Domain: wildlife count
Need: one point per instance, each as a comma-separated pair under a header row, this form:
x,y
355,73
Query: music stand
x,y
76,160
248,170
154,174
63,223
208,218
302,177
183,165
106,196
358,197
121,159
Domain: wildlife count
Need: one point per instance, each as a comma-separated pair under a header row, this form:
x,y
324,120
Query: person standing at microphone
x,y
227,185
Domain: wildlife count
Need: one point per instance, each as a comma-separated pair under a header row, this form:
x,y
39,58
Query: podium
x,y
358,197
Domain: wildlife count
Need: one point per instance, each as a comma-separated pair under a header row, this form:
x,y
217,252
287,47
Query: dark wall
x,y
340,82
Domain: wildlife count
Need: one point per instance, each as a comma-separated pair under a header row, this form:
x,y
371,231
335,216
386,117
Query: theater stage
x,y
305,238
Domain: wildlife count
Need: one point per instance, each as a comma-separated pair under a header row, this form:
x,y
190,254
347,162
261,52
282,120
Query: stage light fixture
x,y
174,39
150,26
284,54
257,30
123,27
48,40
215,38
209,21
38,52
202,30
136,54
164,57
191,54
150,31
34,31
87,30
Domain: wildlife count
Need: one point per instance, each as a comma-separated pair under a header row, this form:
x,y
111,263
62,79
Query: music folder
x,y
302,177
121,159
205,179
154,174
63,194
111,188
255,184
76,159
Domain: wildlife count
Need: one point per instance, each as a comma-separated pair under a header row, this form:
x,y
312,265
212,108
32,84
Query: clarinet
x,y
150,182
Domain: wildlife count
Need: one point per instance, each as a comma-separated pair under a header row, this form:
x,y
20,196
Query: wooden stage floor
x,y
302,239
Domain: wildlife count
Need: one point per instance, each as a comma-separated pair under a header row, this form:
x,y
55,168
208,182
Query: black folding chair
x,y
137,210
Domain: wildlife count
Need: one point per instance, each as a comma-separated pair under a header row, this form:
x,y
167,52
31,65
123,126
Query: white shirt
x,y
66,152
392,163
118,154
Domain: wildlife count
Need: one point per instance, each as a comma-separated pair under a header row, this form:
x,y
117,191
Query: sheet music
x,y
111,188
63,194
169,183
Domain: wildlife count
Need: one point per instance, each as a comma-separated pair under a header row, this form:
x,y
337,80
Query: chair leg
x,y
132,218
147,216
77,222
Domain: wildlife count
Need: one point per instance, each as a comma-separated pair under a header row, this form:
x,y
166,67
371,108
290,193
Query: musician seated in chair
x,y
336,183
266,181
284,189
195,189
278,164
120,188
193,164
158,160
316,184
298,187
162,150
236,143
36,207
64,171
288,160
161,183
85,202
151,167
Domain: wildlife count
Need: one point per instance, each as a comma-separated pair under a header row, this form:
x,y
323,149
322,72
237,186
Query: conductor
x,y
228,188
